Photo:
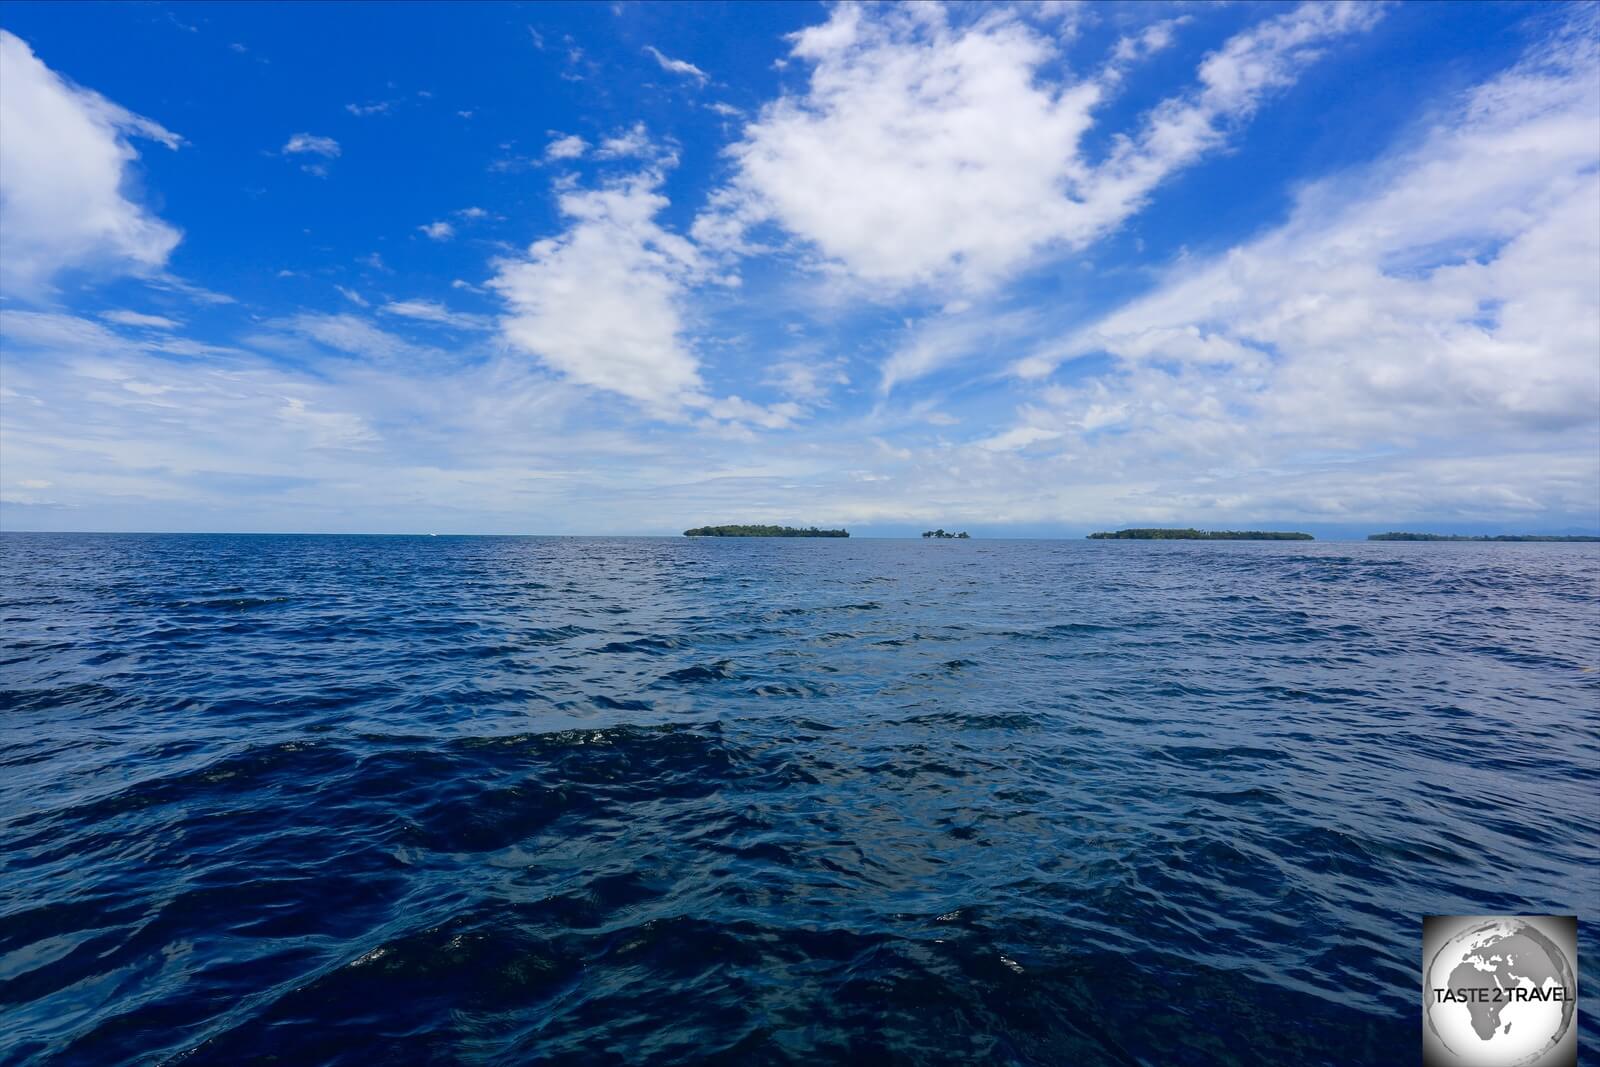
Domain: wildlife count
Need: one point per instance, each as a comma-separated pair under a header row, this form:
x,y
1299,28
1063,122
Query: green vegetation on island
x,y
1201,535
942,536
1475,537
763,531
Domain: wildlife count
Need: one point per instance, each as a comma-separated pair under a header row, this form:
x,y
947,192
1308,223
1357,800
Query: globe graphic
x,y
1500,1026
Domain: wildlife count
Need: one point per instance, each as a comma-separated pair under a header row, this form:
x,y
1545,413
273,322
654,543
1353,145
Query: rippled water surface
x,y
505,800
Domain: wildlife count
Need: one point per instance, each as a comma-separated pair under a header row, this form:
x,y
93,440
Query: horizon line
x,y
1595,532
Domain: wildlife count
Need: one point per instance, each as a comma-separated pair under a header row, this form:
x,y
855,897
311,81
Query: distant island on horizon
x,y
1201,535
763,531
941,535
1393,536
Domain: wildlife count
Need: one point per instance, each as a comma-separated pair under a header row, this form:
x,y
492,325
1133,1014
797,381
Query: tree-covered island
x,y
940,535
763,531
1201,535
1475,537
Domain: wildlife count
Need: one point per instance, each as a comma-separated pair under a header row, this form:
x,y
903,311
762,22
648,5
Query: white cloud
x,y
354,335
677,66
949,337
431,311
67,164
363,110
127,439
321,148
354,297
200,295
634,143
569,147
771,417
1018,437
1233,83
438,231
1440,308
1156,37
601,304
305,143
923,151
69,333
806,379
137,318
1417,339
50,330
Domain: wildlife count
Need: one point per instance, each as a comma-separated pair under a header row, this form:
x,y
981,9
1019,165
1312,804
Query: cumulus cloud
x,y
924,151
63,187
677,66
569,147
1156,37
438,231
632,142
602,303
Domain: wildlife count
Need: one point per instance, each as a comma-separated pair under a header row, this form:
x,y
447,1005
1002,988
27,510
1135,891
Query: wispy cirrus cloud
x,y
316,150
435,312
680,67
124,317
352,335
300,144
1453,284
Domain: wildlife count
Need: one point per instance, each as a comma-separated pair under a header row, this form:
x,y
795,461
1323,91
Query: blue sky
x,y
627,268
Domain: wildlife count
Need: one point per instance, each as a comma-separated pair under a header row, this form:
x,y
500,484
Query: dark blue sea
x,y
439,800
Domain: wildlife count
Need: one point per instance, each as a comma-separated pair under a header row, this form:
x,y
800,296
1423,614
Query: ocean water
x,y
441,800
